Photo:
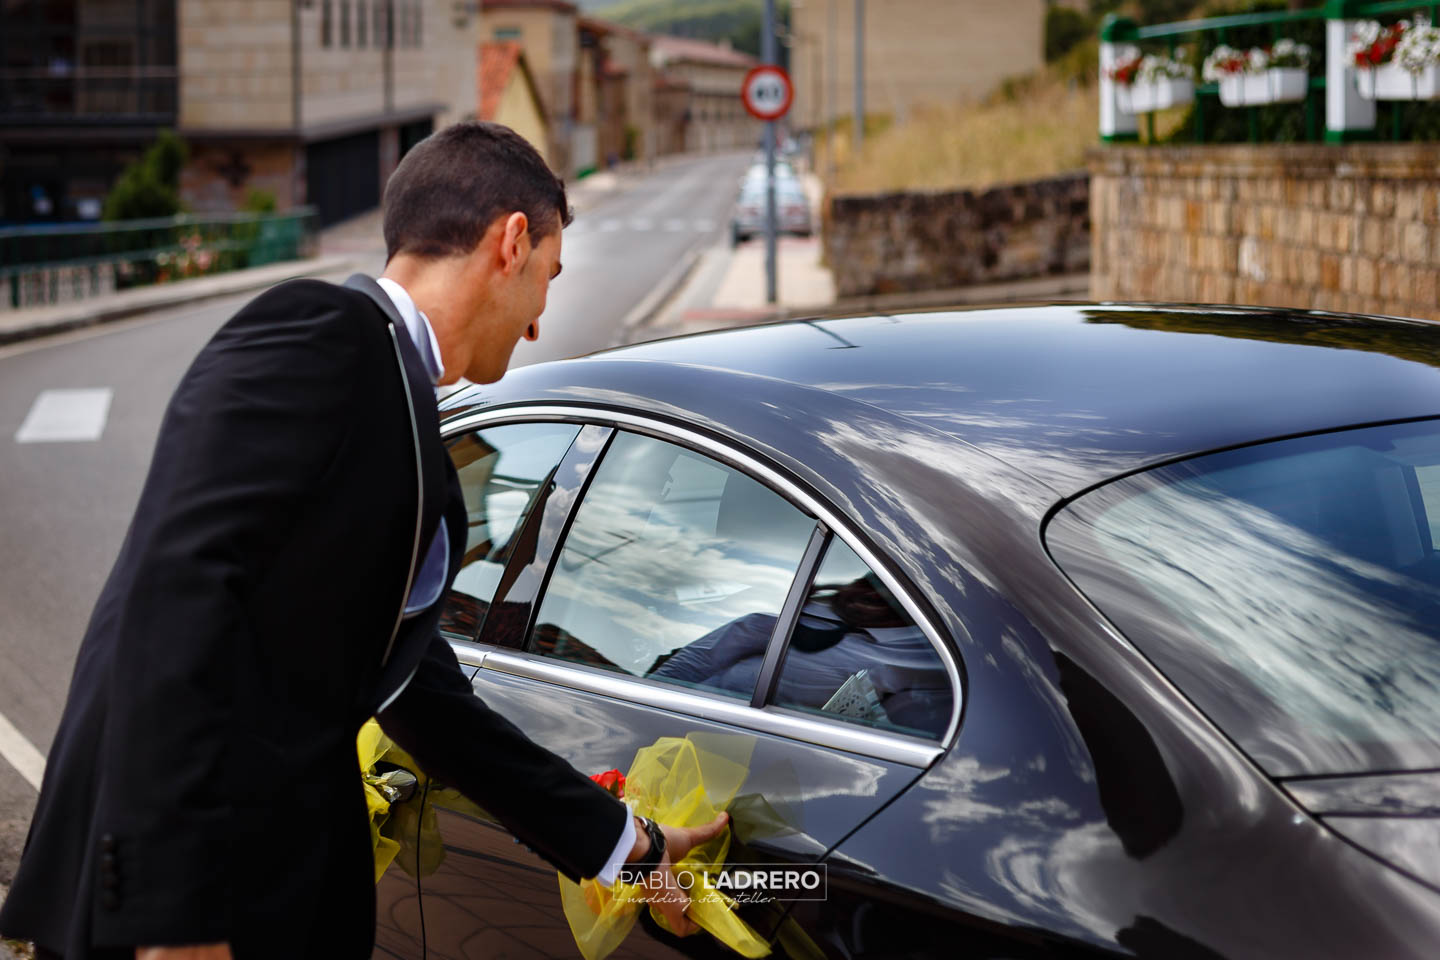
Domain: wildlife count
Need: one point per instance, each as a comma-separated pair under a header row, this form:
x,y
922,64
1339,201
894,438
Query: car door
x,y
659,585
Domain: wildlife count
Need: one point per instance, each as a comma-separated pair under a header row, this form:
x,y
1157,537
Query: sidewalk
x,y
726,288
354,244
44,321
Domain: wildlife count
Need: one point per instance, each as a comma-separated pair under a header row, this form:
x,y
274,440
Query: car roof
x,y
1075,394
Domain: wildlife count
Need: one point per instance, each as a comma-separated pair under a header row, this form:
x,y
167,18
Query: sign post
x,y
767,94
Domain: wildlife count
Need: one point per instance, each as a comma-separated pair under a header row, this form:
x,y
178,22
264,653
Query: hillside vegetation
x,y
738,21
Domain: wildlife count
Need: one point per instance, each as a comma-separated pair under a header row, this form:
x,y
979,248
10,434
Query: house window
x,y
344,23
418,35
327,23
362,23
507,33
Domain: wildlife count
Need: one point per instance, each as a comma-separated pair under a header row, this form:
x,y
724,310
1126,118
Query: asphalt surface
x,y
64,506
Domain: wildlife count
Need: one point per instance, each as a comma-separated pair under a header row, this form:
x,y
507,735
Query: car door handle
x,y
396,784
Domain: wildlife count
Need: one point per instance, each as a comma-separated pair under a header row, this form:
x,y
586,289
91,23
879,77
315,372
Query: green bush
x,y
150,187
1064,29
258,201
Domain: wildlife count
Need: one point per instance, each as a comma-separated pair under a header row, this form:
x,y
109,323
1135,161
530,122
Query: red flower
x,y
612,780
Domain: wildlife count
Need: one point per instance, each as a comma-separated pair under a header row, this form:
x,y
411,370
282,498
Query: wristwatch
x,y
656,853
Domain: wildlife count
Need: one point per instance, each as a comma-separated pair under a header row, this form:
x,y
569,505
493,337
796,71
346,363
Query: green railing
x,y
50,264
1255,29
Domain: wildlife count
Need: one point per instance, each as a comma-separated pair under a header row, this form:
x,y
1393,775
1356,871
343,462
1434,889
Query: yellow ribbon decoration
x,y
682,783
371,745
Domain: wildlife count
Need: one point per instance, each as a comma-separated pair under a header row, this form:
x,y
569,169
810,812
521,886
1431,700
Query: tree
x,y
150,187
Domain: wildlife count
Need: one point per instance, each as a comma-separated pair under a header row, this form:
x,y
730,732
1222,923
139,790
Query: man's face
x,y
519,302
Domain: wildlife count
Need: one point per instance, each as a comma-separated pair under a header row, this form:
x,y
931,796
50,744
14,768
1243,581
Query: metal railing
x,y
43,265
1242,29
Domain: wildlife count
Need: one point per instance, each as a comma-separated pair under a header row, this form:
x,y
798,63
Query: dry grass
x,y
1045,130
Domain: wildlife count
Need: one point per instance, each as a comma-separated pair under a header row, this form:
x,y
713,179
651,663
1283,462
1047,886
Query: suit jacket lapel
x,y
422,395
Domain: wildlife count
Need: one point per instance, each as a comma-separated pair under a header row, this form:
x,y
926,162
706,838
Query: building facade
x,y
710,76
916,52
548,33
313,101
509,95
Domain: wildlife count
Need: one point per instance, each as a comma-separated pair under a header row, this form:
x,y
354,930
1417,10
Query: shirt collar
x,y
417,325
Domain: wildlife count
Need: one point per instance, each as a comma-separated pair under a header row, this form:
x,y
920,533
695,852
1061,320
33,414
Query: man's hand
x,y
207,951
671,900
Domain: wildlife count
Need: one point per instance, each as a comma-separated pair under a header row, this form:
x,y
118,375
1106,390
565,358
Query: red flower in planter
x,y
1124,72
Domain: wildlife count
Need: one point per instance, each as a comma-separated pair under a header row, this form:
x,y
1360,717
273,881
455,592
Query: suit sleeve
x,y
544,801
247,438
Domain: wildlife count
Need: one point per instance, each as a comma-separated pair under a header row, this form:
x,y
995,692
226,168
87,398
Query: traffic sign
x,y
767,92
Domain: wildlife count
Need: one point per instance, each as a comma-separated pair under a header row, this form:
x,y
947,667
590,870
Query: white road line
x,y
59,416
609,226
20,754
641,224
704,225
674,226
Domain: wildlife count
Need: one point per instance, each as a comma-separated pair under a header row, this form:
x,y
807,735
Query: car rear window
x,y
1290,589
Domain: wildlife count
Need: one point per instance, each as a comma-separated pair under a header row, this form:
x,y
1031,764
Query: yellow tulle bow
x,y
371,745
681,783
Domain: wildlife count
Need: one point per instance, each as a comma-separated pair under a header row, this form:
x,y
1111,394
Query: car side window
x,y
856,655
502,473
669,553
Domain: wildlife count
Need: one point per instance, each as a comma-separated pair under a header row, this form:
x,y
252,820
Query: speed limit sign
x,y
767,92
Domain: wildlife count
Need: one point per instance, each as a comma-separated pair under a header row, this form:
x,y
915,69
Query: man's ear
x,y
515,242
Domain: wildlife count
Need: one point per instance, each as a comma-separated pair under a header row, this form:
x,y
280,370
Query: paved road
x,y
64,506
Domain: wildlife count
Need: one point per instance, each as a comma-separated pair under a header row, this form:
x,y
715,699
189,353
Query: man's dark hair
x,y
453,184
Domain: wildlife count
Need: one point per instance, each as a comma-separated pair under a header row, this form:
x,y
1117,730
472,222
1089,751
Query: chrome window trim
x,y
718,450
470,654
911,751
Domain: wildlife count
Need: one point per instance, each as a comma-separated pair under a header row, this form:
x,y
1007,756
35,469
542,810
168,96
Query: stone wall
x,y
1353,228
905,242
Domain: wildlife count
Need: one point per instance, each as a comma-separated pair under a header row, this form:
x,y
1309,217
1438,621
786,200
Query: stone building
x,y
548,32
713,117
314,101
625,84
916,52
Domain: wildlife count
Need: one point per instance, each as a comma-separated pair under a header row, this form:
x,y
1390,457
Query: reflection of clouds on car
x,y
663,551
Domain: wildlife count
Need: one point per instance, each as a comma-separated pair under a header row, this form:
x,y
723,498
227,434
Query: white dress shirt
x,y
433,571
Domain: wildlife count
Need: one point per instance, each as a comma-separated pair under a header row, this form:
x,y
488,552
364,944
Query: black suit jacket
x,y
203,783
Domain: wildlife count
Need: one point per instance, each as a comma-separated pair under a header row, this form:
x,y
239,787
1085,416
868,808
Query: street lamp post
x,y
767,54
859,75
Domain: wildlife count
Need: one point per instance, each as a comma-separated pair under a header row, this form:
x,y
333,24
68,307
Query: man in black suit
x,y
280,583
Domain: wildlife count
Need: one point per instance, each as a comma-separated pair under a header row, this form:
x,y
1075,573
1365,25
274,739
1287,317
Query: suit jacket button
x,y
110,900
107,843
110,882
107,861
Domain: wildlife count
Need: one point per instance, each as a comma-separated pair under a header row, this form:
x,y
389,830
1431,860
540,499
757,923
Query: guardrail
x,y
44,265
1331,107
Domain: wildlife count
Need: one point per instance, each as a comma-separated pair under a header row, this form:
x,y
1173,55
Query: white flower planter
x,y
1244,89
1390,81
1280,85
1288,84
1160,95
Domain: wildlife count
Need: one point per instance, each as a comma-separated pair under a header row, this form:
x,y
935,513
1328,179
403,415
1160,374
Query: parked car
x,y
792,210
1137,608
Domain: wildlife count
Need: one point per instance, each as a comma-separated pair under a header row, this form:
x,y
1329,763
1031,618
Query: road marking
x,y
60,416
641,224
609,226
704,225
674,226
20,754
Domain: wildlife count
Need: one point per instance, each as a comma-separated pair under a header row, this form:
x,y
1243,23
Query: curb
x,y
82,314
647,309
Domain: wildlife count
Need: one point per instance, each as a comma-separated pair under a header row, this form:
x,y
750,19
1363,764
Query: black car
x,y
1069,631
